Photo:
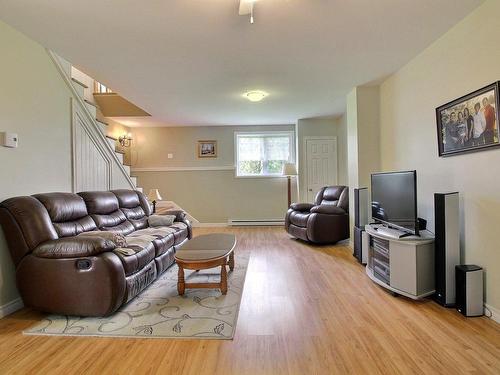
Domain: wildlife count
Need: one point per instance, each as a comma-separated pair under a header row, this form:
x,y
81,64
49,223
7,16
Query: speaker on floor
x,y
469,280
447,246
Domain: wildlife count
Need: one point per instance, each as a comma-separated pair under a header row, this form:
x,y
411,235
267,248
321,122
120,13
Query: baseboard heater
x,y
256,222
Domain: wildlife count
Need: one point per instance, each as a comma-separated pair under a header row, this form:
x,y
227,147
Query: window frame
x,y
264,133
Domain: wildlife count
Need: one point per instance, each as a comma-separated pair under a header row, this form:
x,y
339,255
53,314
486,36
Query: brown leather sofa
x,y
325,221
60,271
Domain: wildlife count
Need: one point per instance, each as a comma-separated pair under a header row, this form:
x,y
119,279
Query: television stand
x,y
405,265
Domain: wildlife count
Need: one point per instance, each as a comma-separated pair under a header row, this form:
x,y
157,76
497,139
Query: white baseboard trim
x,y
207,225
492,312
255,222
184,169
11,307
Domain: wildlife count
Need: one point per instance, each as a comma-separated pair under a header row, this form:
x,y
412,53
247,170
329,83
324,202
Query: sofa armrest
x,y
189,228
73,247
179,214
328,210
303,207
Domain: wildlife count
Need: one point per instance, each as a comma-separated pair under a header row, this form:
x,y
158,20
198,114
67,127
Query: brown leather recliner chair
x,y
325,221
61,271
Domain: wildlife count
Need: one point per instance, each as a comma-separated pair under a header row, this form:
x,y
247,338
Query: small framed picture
x,y
469,123
207,149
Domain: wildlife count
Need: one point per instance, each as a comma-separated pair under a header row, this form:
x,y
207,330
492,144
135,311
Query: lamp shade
x,y
289,169
154,195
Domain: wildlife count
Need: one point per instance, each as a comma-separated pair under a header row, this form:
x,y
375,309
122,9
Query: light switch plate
x,y
170,156
8,139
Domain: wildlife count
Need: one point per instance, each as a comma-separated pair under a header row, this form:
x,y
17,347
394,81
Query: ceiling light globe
x,y
256,95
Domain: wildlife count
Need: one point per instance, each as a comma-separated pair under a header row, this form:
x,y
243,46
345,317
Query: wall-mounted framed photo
x,y
207,149
469,123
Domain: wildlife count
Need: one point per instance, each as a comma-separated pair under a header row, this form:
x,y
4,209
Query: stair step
x,y
102,122
134,180
102,127
79,83
112,142
79,87
92,108
120,151
127,169
65,65
120,156
139,189
89,102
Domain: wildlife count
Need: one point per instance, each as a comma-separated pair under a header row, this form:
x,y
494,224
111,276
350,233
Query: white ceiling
x,y
187,62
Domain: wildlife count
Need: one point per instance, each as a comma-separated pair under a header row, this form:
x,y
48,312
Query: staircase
x,y
95,123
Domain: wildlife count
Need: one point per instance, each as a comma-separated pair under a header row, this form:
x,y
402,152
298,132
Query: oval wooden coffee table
x,y
204,252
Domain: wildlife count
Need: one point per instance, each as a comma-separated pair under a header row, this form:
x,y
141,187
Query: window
x,y
263,153
99,88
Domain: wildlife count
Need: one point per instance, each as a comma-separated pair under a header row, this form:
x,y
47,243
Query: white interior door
x,y
321,164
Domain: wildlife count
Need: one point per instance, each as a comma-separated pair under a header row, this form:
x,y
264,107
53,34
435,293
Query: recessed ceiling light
x,y
255,95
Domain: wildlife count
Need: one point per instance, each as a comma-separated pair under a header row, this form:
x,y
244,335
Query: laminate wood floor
x,y
305,310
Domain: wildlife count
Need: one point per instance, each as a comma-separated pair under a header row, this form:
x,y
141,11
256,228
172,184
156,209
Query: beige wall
x,y
116,130
465,59
327,126
342,147
363,129
211,196
35,104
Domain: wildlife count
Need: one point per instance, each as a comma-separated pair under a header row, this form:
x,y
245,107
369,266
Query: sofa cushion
x,y
117,238
100,202
144,253
126,198
165,237
104,209
135,207
68,213
136,216
161,220
334,195
299,218
181,232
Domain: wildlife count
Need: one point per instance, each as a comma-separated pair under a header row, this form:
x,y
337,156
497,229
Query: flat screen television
x,y
394,200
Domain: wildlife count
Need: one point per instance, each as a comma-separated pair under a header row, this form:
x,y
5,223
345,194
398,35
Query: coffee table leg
x,y
223,279
231,261
180,281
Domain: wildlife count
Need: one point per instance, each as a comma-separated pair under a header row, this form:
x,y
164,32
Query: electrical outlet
x,y
8,139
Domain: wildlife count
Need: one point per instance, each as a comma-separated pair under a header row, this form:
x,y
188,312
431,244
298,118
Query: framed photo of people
x,y
469,123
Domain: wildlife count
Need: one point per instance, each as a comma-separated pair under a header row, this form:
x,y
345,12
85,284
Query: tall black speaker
x,y
447,246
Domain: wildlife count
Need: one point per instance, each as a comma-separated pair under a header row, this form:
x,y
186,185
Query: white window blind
x,y
263,153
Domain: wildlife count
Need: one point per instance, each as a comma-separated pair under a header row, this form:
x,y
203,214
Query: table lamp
x,y
154,196
289,170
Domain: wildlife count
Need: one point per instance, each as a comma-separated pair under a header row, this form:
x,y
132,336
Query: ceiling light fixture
x,y
255,95
246,8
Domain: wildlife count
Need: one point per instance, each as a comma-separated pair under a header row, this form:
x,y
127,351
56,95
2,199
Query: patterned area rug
x,y
159,312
